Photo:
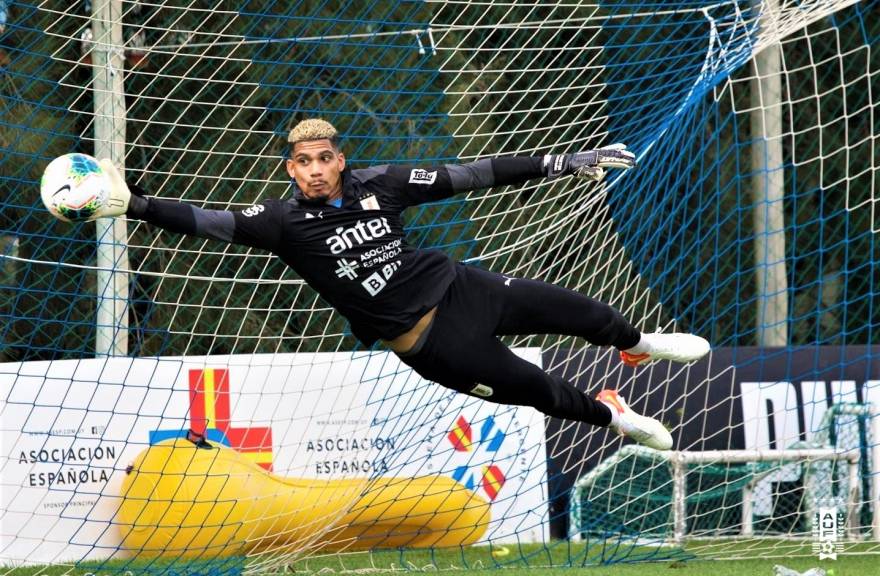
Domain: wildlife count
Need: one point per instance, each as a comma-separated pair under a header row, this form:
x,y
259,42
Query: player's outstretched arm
x,y
589,165
255,226
419,185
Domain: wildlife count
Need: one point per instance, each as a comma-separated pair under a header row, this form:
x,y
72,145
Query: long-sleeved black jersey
x,y
355,254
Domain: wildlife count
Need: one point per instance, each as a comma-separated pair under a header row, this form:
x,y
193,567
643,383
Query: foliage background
x,y
210,105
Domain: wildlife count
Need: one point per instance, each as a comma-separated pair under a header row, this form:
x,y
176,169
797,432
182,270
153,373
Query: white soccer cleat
x,y
676,347
642,429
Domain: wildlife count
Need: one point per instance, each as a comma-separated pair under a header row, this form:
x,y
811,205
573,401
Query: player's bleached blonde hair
x,y
313,129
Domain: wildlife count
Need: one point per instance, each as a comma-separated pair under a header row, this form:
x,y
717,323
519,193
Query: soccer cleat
x,y
634,359
677,347
642,429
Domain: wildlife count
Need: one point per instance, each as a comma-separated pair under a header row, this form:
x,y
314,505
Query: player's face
x,y
317,168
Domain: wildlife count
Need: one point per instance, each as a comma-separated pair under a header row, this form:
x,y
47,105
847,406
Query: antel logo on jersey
x,y
419,176
347,238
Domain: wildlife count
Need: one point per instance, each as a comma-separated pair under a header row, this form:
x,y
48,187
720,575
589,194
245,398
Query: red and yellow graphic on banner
x,y
493,480
461,435
209,410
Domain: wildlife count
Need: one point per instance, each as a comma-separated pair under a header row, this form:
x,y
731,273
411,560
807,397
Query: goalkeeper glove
x,y
590,164
122,200
120,196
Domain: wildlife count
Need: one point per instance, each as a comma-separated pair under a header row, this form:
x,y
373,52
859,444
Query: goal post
x,y
662,478
679,462
111,263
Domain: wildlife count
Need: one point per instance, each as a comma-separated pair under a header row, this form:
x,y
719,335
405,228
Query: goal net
x,y
170,399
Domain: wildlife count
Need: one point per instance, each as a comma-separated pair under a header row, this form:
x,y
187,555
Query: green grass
x,y
564,559
557,559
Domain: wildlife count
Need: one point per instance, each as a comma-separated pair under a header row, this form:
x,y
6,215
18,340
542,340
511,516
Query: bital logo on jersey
x,y
209,416
491,478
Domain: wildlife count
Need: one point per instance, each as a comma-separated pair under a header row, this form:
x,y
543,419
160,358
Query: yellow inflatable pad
x,y
183,501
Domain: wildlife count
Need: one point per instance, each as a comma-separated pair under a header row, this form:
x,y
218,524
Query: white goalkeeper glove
x,y
120,196
590,164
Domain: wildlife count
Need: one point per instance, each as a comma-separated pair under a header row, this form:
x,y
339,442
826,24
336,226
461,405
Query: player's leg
x,y
460,352
482,366
533,307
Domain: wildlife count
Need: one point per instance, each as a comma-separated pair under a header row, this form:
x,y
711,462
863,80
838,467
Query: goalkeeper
x,y
341,231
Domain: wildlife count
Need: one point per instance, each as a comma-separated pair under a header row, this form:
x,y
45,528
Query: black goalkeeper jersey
x,y
355,254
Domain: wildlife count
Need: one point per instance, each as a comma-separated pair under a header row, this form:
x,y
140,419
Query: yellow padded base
x,y
186,502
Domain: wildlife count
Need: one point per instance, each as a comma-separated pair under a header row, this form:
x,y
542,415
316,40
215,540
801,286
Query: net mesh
x,y
210,93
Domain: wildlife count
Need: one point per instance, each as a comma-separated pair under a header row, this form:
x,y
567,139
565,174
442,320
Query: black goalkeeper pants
x,y
462,351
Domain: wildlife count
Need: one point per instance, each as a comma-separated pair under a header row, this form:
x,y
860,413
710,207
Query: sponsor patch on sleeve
x,y
370,203
482,390
419,176
253,210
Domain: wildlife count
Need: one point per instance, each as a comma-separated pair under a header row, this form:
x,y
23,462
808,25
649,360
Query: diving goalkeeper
x,y
341,231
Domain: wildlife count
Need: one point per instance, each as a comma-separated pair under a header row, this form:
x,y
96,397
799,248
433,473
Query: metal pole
x,y
768,187
679,495
112,233
748,492
874,417
731,456
852,498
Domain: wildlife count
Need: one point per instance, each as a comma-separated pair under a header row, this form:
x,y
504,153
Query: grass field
x,y
561,558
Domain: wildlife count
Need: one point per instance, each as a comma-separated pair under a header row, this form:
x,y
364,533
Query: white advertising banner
x,y
71,428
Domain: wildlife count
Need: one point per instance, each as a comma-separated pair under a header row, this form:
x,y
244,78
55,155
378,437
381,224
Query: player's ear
x,y
289,165
341,159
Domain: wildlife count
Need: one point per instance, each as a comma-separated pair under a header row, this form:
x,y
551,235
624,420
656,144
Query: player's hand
x,y
120,195
590,164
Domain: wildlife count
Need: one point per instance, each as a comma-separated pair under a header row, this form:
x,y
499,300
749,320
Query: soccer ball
x,y
74,187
